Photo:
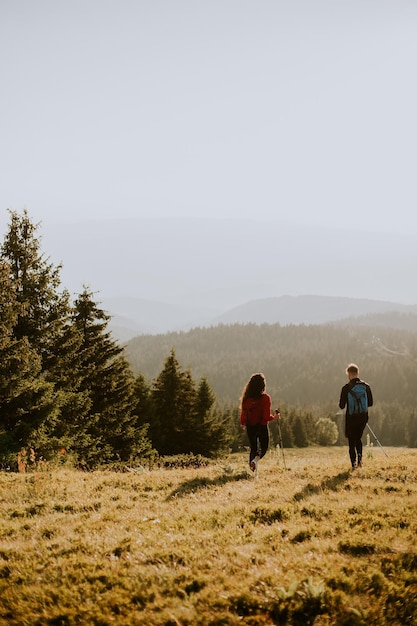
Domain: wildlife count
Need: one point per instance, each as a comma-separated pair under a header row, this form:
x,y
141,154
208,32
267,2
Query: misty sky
x,y
296,110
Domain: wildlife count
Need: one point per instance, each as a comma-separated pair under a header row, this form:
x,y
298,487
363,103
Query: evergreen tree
x,y
287,432
65,369
300,432
412,430
209,433
42,308
183,419
28,403
237,436
143,401
173,398
109,382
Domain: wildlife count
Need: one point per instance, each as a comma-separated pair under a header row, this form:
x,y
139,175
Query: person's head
x,y
255,386
352,371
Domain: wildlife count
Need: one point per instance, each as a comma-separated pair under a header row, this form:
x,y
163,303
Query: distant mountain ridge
x,y
132,316
155,275
217,264
308,309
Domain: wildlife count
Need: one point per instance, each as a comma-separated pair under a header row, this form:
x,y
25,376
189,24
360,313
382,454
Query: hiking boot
x,y
254,464
360,463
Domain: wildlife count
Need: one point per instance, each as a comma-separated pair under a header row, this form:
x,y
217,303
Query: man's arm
x,y
369,395
343,397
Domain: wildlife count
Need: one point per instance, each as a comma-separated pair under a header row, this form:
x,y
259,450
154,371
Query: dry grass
x,y
314,543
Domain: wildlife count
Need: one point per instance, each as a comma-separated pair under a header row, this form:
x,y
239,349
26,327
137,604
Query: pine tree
x,y
209,433
300,432
143,401
412,430
42,308
182,419
65,370
173,397
107,378
287,433
27,407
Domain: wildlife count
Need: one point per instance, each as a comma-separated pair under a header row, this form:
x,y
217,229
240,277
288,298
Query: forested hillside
x,y
304,366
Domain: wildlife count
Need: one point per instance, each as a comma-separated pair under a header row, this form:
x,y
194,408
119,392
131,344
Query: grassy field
x,y
313,543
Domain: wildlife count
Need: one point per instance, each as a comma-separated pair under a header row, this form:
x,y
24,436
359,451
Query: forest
x,y
70,391
304,367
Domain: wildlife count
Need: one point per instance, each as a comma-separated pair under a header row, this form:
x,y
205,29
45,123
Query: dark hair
x,y
254,388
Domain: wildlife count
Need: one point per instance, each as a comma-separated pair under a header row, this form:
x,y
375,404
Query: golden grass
x,y
315,543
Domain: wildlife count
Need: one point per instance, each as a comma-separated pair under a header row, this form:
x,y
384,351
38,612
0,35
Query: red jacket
x,y
256,411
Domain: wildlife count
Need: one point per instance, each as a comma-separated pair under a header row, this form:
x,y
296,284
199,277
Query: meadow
x,y
309,543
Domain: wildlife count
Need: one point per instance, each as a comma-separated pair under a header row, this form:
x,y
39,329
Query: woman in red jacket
x,y
255,406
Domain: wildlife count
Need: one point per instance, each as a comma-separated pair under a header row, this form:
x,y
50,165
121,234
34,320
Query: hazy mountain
x,y
308,309
156,275
217,264
133,317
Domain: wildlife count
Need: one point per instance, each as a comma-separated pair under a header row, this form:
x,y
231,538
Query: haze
x,y
295,109
281,115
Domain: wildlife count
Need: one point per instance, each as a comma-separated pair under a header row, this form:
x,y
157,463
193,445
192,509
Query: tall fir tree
x,y
210,433
43,308
300,432
182,421
172,398
107,378
65,369
27,401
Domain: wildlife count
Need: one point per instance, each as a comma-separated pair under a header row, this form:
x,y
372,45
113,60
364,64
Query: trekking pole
x,y
377,440
281,445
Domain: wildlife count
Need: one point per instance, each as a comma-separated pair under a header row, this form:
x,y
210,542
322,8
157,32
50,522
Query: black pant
x,y
258,436
355,425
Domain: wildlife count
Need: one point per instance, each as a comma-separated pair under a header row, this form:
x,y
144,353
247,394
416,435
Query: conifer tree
x,y
27,407
107,378
143,401
287,432
74,400
210,431
173,397
300,433
182,420
43,309
412,430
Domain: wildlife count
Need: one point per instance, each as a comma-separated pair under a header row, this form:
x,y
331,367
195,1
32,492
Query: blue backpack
x,y
357,399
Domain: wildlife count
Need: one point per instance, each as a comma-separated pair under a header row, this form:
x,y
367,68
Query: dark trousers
x,y
355,425
258,436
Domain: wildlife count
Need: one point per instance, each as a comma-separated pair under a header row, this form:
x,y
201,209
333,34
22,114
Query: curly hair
x,y
254,388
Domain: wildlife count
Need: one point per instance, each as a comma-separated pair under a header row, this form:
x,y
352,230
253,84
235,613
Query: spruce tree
x,y
109,382
300,432
65,370
27,402
210,430
412,430
173,397
182,419
43,309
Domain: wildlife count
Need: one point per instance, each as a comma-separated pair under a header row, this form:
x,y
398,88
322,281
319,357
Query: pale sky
x,y
296,110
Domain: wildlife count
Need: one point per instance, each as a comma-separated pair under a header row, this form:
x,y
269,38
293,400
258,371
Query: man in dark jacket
x,y
356,396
